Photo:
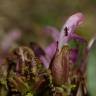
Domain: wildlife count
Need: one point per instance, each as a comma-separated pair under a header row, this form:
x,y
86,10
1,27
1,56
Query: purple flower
x,y
73,21
67,33
10,39
7,42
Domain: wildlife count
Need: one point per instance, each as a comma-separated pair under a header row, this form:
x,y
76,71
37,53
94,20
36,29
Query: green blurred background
x,y
32,16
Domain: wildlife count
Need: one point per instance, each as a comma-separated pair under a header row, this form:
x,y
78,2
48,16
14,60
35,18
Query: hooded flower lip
x,y
73,21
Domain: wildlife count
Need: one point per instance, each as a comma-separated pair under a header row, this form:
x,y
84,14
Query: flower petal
x,y
71,24
51,49
45,60
77,37
50,52
37,49
41,54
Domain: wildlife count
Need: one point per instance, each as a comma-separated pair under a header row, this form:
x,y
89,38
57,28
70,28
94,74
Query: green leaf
x,y
92,69
29,94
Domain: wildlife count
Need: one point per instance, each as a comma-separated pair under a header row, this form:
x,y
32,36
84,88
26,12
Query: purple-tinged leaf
x,y
60,66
